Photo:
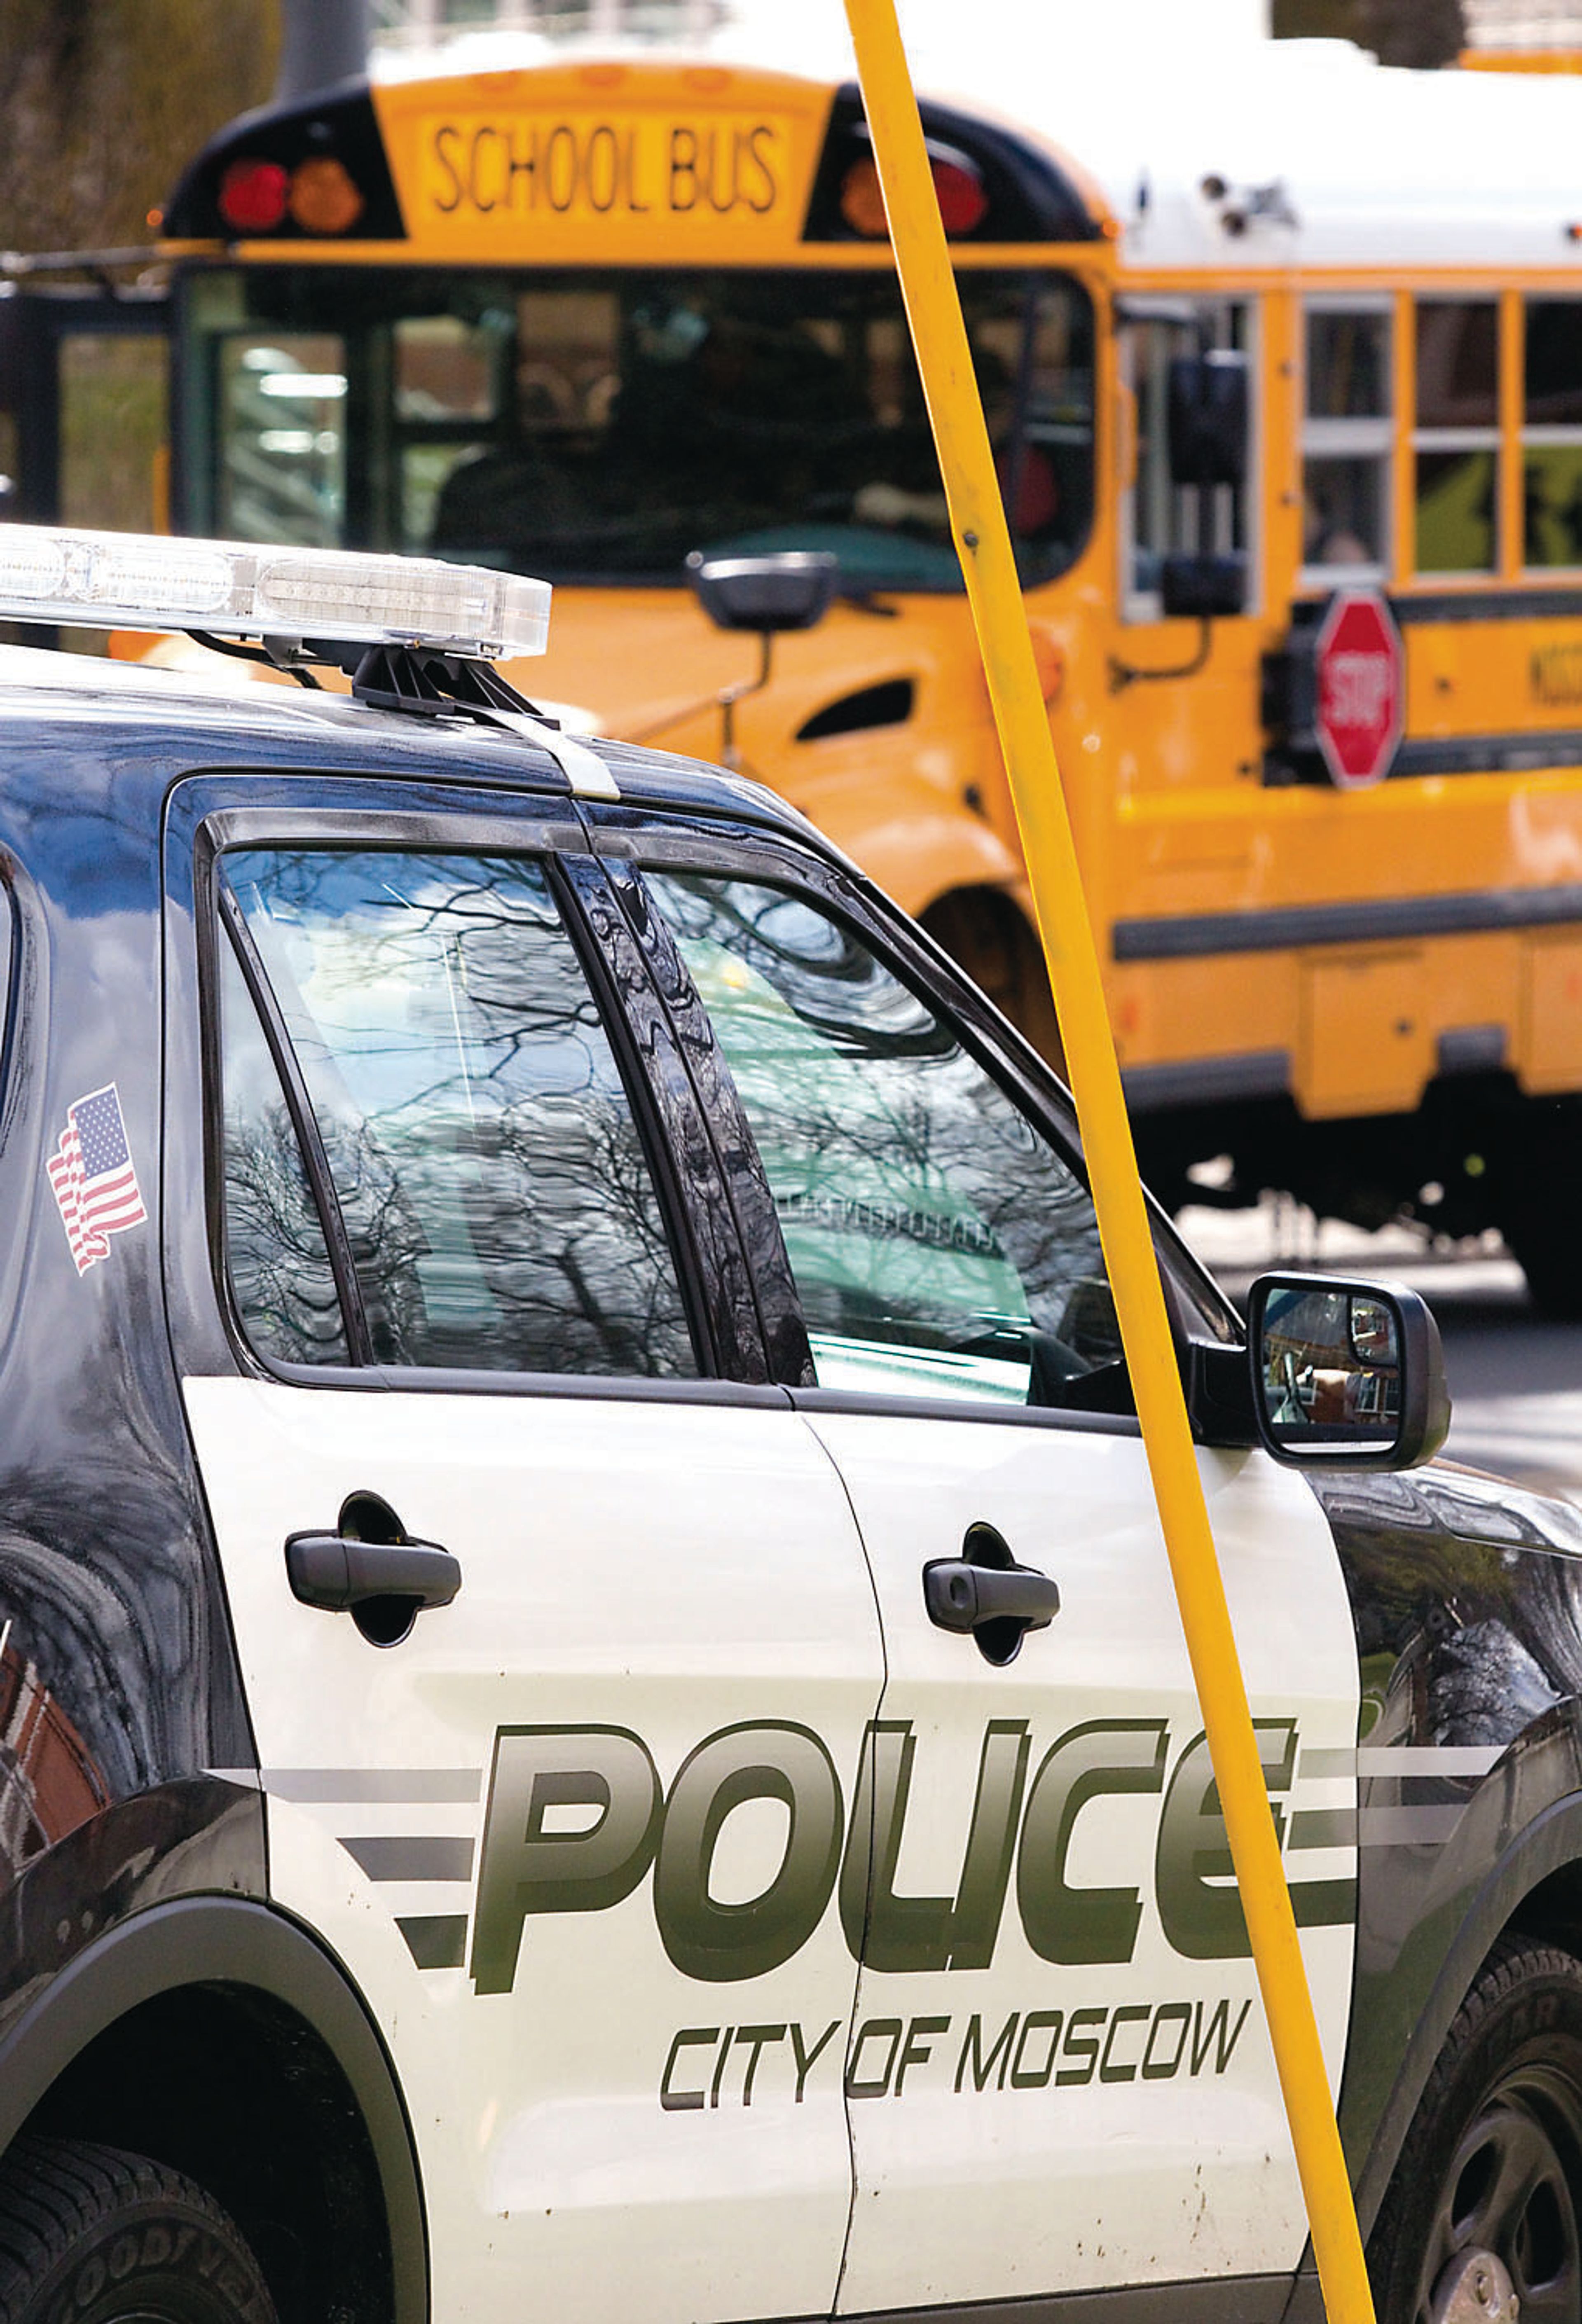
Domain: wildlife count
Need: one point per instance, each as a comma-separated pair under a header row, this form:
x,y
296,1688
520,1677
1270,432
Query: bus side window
x,y
1551,433
1345,440
1456,438
1159,519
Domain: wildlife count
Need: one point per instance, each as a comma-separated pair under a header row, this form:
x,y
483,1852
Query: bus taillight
x,y
959,188
962,200
323,199
253,196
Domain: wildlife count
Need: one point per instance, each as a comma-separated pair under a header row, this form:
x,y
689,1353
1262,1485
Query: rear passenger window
x,y
477,1149
941,1246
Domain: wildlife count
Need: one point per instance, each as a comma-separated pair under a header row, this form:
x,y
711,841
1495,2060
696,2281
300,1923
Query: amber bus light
x,y
324,198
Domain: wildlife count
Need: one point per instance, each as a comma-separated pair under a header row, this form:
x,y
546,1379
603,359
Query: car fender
x,y
231,1941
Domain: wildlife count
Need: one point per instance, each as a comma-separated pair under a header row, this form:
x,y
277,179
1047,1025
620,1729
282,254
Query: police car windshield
x,y
600,426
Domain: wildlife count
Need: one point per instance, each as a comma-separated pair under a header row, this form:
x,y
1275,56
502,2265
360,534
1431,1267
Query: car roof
x,y
169,723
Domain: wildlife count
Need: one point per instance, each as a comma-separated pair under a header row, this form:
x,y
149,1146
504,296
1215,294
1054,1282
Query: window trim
x,y
342,831
349,1290
10,978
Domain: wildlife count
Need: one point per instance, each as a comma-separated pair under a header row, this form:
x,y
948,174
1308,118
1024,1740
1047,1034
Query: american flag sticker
x,y
93,1178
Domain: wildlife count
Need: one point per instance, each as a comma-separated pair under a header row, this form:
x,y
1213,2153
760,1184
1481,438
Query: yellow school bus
x,y
1285,386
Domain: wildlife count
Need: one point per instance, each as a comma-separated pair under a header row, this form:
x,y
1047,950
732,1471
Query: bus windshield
x,y
598,425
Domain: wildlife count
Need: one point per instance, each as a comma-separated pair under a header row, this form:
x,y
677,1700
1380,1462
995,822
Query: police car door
x,y
571,1833
1058,2075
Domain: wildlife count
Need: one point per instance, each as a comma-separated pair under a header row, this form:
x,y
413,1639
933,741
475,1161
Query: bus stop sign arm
x,y
993,591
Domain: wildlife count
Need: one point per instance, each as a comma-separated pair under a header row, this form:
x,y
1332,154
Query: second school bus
x,y
586,318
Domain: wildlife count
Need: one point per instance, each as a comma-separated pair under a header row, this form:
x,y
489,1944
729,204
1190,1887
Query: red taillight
x,y
253,196
960,190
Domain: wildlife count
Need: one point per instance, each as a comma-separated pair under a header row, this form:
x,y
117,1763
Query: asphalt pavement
x,y
1515,1378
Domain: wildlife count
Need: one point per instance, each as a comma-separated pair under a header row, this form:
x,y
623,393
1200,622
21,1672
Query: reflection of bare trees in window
x,y
919,1206
497,1201
280,1268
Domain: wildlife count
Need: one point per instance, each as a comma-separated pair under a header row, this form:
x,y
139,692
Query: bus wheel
x,y
985,934
1540,1217
106,2237
1480,2219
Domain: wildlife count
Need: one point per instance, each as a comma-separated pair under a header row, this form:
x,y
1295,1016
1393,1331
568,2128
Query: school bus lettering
x,y
1554,675
520,168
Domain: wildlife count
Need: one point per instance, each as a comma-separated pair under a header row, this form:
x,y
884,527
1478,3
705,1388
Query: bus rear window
x,y
599,427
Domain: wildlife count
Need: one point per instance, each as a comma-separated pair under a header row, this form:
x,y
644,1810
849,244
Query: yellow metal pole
x,y
984,543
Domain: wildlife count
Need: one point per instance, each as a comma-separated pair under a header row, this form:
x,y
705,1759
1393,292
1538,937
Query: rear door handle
x,y
338,1572
964,1596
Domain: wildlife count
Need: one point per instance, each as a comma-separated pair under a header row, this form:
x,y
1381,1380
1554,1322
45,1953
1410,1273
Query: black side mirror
x,y
1346,1372
1206,417
1203,587
764,594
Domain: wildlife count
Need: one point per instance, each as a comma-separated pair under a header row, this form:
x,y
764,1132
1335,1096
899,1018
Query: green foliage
x,y
1397,32
105,103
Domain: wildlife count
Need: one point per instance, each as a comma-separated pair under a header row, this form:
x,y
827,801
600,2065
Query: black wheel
x,y
1481,2222
90,2235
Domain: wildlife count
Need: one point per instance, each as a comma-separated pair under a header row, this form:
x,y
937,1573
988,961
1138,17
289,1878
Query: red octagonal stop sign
x,y
1361,689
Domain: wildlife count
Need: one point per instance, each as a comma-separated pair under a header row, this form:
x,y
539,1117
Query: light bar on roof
x,y
145,581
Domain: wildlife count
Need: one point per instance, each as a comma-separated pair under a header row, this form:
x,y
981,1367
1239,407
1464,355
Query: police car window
x,y
276,1256
941,1246
497,1200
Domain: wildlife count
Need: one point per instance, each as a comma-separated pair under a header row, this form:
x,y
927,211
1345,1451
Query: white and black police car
x,y
592,1720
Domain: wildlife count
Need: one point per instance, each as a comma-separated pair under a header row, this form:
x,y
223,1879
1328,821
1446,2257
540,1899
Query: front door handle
x,y
338,1572
961,1595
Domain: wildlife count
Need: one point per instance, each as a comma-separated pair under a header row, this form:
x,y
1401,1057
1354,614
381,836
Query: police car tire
x,y
1507,2085
90,2235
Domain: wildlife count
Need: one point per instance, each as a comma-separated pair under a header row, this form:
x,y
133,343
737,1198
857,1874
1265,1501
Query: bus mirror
x,y
765,594
1207,418
1203,588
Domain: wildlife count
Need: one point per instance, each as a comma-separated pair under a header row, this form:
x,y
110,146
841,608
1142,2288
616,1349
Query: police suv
x,y
592,1718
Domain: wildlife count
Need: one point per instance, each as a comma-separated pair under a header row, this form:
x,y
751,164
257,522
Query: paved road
x,y
1515,1380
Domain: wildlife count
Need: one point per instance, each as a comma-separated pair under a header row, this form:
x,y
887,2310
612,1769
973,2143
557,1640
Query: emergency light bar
x,y
145,581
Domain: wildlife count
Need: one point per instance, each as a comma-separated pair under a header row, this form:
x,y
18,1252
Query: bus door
x,y
83,406
1183,704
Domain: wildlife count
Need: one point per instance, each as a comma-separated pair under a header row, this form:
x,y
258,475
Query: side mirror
x,y
1351,1373
1203,587
1206,417
764,594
